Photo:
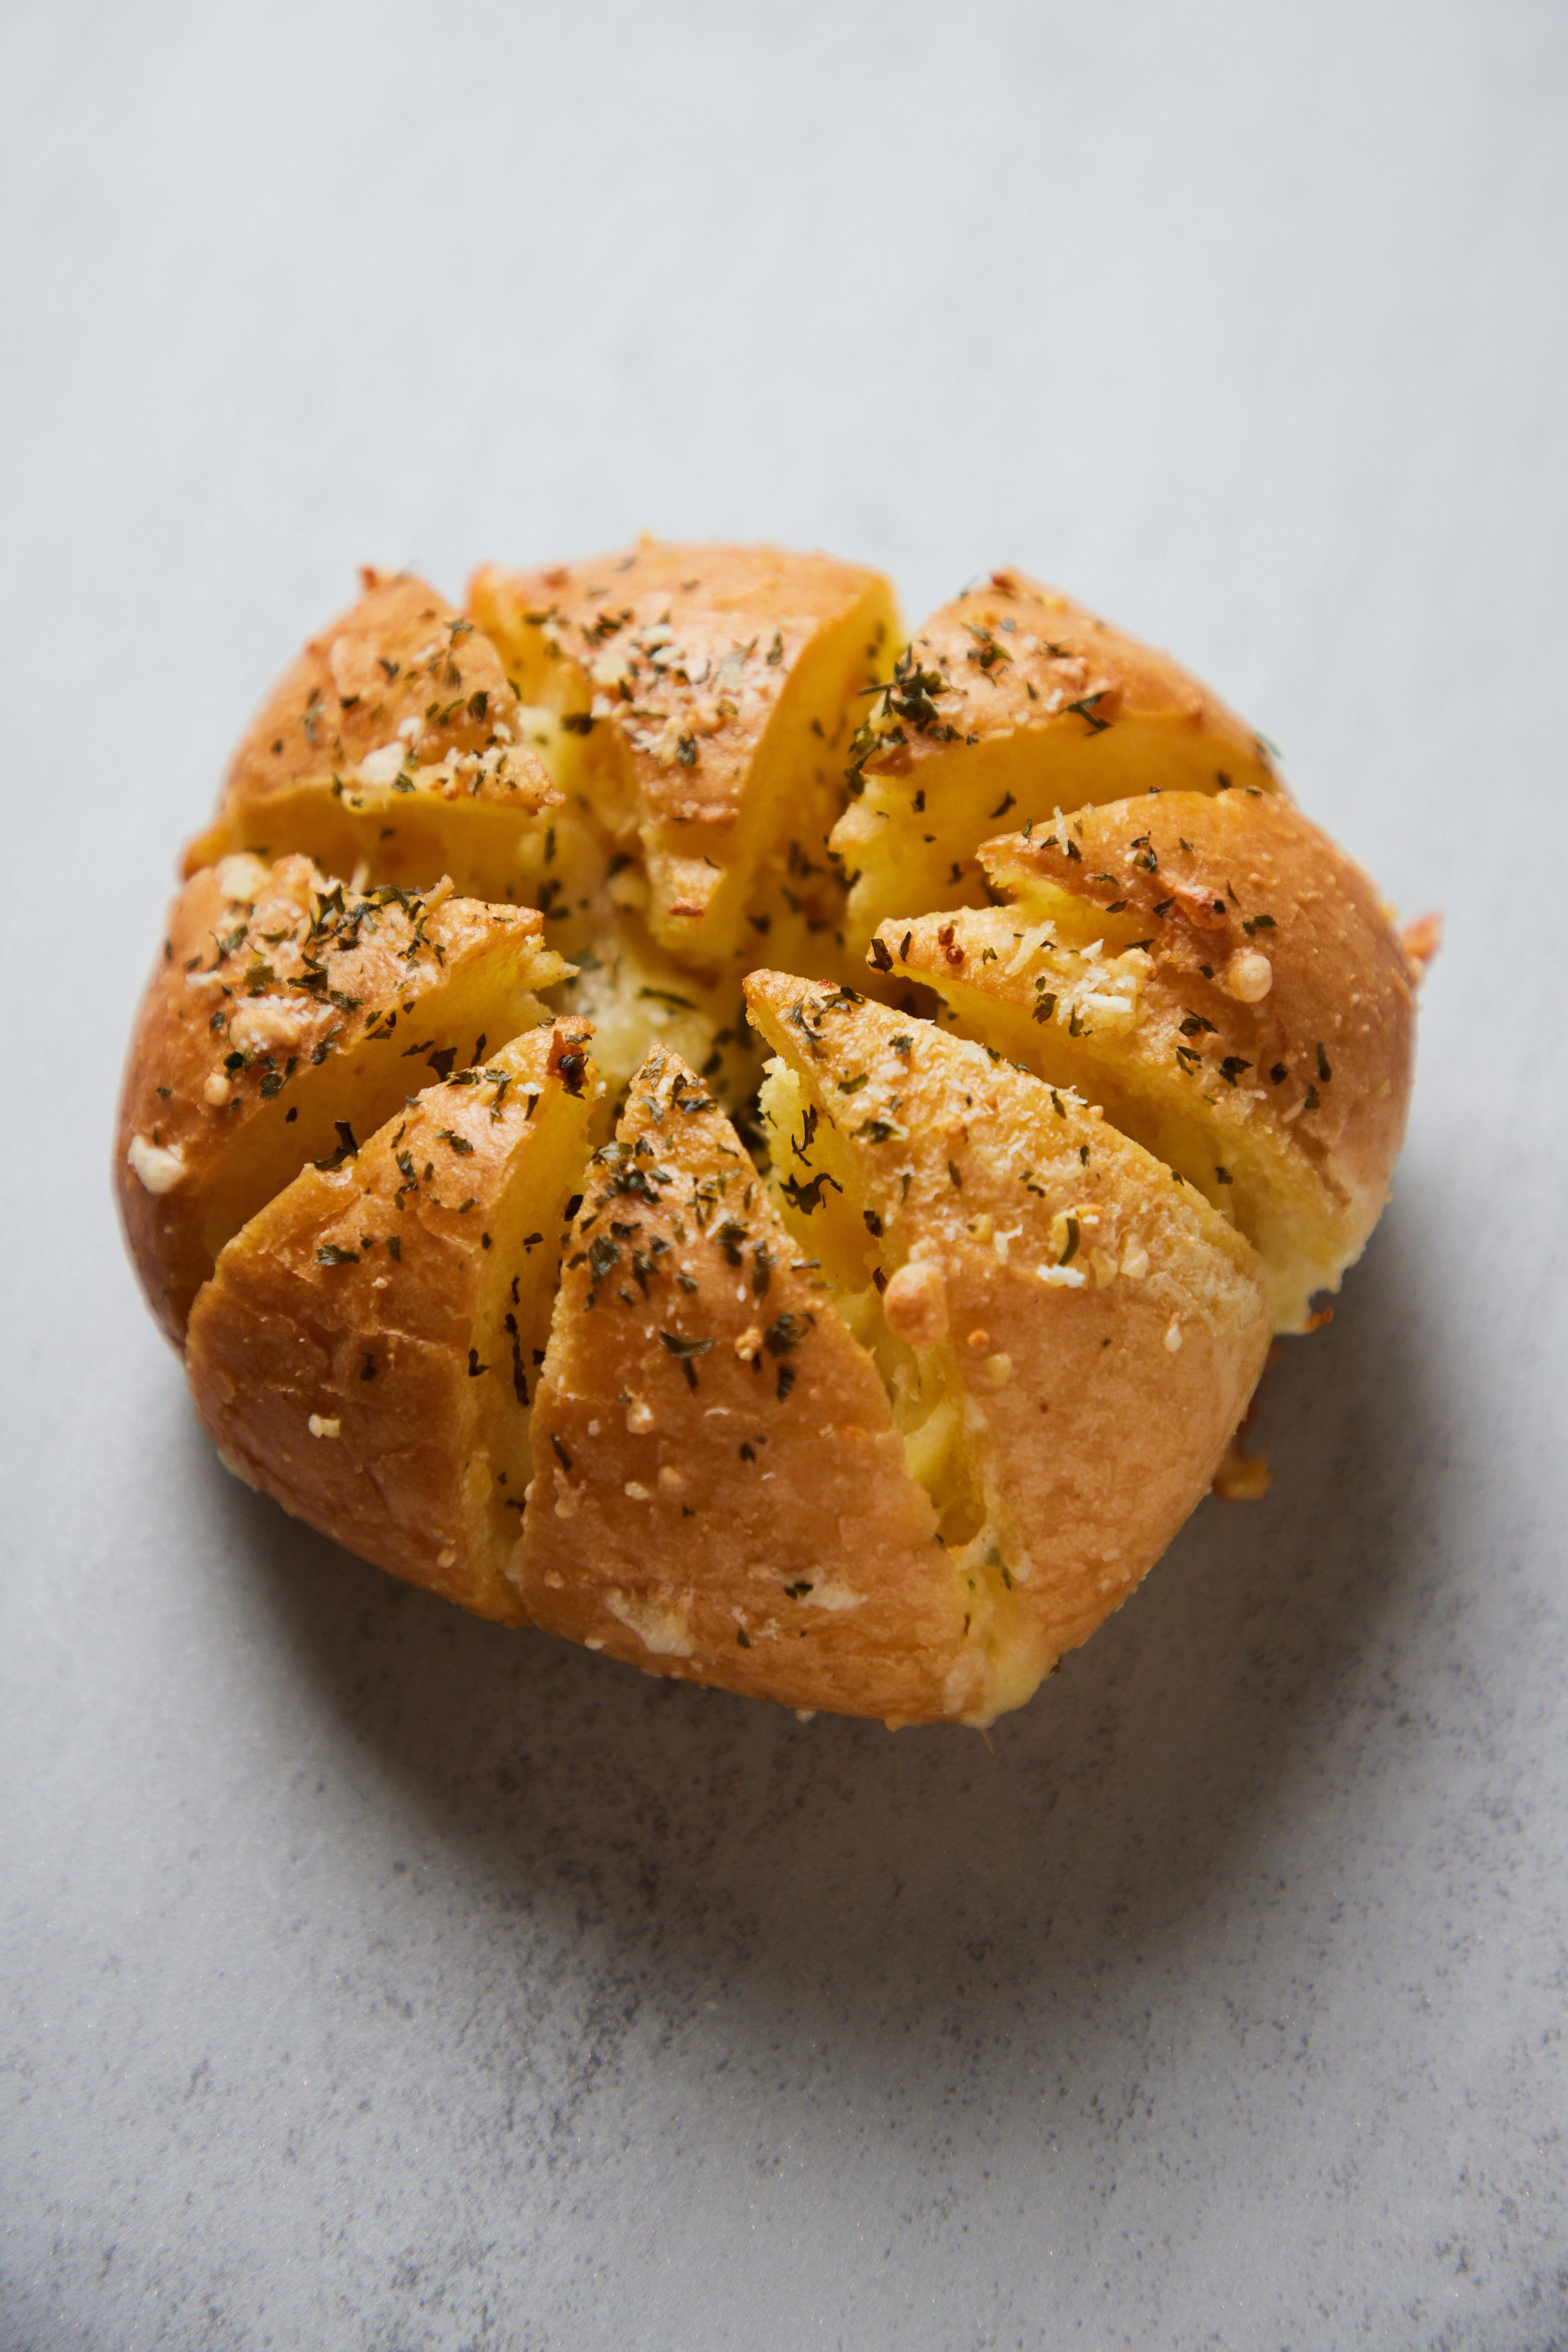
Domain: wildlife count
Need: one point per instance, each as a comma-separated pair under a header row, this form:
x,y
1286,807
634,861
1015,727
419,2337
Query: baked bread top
x,y
669,1113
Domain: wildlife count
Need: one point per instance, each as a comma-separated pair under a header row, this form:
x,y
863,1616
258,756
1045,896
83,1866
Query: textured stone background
x,y
372,1978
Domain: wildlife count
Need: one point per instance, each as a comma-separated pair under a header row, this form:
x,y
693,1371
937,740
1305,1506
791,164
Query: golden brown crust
x,y
994,644
281,1004
889,1428
685,665
397,715
1103,1326
1247,1011
358,1351
727,1500
1015,699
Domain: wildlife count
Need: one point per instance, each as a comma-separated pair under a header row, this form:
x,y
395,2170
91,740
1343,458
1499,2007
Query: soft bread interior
x,y
637,996
594,897
819,1188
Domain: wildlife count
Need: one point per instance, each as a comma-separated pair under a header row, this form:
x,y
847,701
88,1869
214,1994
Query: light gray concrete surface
x,y
374,1979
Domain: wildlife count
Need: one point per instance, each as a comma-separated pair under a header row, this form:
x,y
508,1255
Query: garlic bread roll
x,y
543,1213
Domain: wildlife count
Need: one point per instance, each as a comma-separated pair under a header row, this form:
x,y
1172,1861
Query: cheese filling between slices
x,y
943,1428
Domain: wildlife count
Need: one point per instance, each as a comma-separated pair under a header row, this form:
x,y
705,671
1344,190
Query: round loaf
x,y
669,1114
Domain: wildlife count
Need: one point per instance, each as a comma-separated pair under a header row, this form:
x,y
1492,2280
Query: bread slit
x,y
489,847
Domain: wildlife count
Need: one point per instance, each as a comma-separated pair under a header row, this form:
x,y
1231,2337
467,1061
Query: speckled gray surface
x,y
373,1979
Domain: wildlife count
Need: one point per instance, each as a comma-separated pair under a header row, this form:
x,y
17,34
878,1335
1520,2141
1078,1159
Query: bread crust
x,y
398,702
1105,1326
1088,677
345,1354
1015,698
883,1397
721,1495
1264,997
279,991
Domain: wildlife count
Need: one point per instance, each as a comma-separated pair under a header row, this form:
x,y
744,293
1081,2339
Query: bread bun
x,y
871,1376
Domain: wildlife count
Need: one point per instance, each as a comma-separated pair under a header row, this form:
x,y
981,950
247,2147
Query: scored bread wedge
x,y
710,693
284,1009
1014,701
1069,1332
394,749
366,1348
1225,982
720,1494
